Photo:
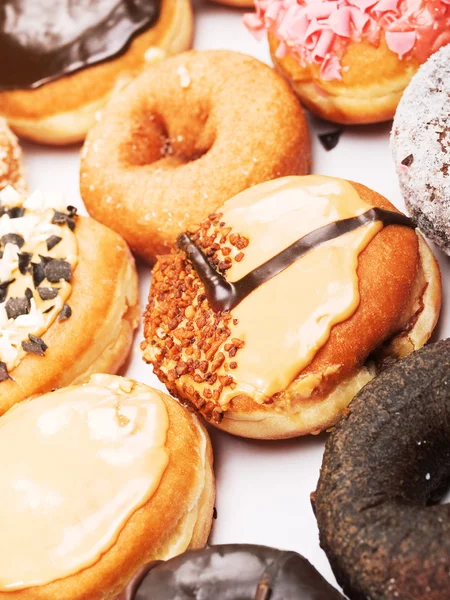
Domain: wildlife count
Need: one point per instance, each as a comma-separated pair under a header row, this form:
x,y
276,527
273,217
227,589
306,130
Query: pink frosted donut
x,y
350,60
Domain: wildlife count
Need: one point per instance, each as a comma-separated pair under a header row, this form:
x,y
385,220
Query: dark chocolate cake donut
x,y
385,468
231,572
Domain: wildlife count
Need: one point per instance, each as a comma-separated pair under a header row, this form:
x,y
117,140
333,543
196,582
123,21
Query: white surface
x,y
262,487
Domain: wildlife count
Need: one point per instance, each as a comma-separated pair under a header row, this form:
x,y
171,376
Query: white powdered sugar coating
x,y
421,139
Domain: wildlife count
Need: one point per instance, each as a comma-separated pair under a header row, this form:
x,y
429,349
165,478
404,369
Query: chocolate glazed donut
x,y
385,467
231,572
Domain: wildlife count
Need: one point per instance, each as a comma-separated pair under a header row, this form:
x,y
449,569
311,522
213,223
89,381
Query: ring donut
x,y
58,73
186,135
113,474
385,467
11,169
231,572
232,325
69,297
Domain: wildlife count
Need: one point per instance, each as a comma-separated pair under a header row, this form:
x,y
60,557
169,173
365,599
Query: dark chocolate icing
x,y
231,572
41,40
224,295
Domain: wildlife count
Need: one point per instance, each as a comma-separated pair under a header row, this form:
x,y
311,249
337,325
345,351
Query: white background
x,y
262,487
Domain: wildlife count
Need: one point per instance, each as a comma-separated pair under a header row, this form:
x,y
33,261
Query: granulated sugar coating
x,y
420,142
11,172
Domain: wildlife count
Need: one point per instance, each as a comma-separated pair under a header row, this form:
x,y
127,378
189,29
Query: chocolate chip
x,y
38,272
65,313
52,241
35,345
4,289
48,310
60,218
15,212
17,306
215,513
57,270
12,238
24,261
72,210
28,293
46,293
331,139
408,160
4,375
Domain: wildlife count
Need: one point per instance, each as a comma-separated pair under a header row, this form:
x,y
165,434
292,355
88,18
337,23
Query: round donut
x,y
95,328
188,134
140,487
349,62
384,469
62,110
281,362
420,143
11,169
231,572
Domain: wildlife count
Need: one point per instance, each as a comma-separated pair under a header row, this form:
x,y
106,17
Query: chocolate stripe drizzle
x,y
224,295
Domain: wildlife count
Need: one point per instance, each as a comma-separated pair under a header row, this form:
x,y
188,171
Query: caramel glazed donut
x,y
57,73
349,61
140,488
68,297
280,345
231,572
420,143
384,471
184,137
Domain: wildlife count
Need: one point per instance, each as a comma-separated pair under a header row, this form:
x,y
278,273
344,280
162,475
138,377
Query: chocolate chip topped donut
x,y
264,316
420,142
385,468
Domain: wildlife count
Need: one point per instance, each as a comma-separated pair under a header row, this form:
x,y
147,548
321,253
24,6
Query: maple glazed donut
x,y
263,318
420,142
11,169
185,136
61,62
384,471
139,487
350,61
68,297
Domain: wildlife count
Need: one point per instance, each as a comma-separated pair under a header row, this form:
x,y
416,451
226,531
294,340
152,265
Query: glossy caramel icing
x,y
81,461
285,321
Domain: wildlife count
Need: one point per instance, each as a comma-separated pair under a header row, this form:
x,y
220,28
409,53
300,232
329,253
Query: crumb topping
x,y
191,347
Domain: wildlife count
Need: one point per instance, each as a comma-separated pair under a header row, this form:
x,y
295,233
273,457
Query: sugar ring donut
x,y
185,136
420,144
11,170
384,469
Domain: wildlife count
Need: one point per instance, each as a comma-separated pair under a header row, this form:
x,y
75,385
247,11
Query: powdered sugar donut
x,y
350,60
420,142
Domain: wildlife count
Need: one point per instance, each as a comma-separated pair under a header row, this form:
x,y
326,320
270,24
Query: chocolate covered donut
x,y
384,469
420,144
231,572
61,61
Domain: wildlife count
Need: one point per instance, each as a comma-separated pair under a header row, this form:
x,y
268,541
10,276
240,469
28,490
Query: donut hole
x,y
154,138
